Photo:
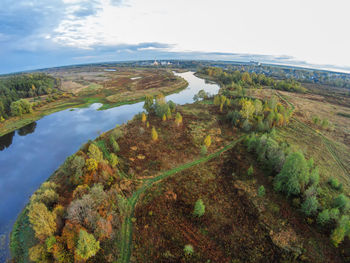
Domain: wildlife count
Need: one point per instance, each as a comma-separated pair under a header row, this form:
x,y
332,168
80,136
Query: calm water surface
x,y
31,154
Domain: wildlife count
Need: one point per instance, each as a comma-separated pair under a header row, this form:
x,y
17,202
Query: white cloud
x,y
313,30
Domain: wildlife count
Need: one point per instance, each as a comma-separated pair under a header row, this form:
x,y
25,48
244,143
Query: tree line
x,y
16,87
246,80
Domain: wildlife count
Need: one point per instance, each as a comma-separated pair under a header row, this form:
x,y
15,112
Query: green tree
x,y
188,250
261,191
250,170
87,246
310,205
323,217
113,160
341,202
149,100
293,176
114,144
199,208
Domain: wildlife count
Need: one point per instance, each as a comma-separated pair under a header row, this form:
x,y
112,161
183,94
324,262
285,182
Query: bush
x,y
310,205
334,213
204,150
261,191
323,217
188,250
250,170
199,208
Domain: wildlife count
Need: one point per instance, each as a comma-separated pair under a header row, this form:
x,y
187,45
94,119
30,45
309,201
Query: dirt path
x,y
127,225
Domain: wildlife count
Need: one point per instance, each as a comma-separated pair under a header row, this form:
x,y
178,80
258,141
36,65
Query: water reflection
x,y
30,128
6,140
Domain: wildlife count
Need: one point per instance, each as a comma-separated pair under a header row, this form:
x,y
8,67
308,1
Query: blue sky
x,y
46,33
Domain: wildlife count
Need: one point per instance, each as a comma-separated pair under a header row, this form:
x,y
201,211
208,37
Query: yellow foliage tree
x,y
144,117
43,221
147,124
154,134
168,113
178,119
91,164
164,117
207,141
247,110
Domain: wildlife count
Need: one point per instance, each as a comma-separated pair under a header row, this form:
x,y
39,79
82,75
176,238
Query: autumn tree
x,y
207,141
154,134
143,117
178,119
87,246
247,110
38,254
42,220
95,153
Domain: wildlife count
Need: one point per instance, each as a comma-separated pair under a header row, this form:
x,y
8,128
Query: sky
x,y
46,33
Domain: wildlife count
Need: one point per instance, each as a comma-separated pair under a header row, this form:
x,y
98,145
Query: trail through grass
x,y
126,230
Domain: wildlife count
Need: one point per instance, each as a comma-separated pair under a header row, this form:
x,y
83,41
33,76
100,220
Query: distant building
x,y
155,63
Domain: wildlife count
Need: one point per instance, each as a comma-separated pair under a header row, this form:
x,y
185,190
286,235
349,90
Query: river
x,y
31,154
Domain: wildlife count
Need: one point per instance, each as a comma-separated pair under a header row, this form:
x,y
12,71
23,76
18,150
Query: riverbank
x,y
108,97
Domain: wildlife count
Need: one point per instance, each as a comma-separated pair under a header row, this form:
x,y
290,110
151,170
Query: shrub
x,y
199,208
154,134
250,170
323,217
87,246
188,250
310,205
204,150
261,191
